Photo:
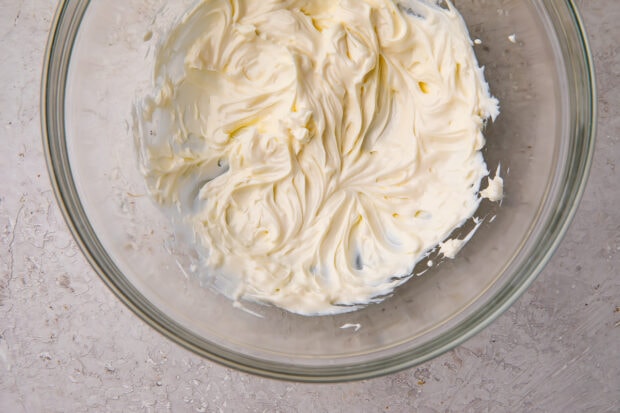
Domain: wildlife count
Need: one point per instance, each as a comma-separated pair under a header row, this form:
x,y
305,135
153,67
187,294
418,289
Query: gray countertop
x,y
68,345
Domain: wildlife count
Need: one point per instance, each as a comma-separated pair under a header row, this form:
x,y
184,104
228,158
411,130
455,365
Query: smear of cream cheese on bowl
x,y
316,149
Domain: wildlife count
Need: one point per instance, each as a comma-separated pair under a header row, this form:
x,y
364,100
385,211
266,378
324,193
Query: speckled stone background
x,y
68,345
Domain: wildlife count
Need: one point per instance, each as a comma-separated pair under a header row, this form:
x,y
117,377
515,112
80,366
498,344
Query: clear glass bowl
x,y
99,58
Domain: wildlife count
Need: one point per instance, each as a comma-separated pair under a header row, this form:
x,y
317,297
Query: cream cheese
x,y
318,149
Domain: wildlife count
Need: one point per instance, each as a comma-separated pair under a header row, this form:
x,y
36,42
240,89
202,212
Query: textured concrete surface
x,y
68,345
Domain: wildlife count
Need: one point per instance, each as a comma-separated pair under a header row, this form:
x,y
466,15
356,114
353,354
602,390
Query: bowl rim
x,y
63,31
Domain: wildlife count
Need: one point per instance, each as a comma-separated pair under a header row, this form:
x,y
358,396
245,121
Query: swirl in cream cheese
x,y
318,149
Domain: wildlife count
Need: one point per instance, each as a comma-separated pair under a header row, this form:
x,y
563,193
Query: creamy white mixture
x,y
317,149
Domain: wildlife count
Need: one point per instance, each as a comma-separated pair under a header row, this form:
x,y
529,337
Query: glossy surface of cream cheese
x,y
317,149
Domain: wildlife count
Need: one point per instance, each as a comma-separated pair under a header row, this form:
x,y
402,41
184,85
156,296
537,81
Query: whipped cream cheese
x,y
317,149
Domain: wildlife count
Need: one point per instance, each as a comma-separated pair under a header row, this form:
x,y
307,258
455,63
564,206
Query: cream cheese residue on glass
x,y
317,149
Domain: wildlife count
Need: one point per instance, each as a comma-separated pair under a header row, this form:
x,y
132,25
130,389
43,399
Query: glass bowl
x,y
99,59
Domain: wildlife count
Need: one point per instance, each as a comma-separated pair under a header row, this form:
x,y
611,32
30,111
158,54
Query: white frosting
x,y
355,326
495,187
317,148
450,247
